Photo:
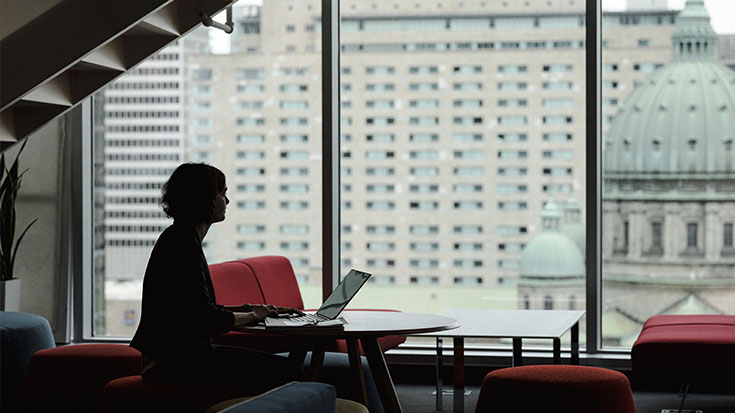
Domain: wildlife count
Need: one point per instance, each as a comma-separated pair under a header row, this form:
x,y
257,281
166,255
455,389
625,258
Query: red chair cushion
x,y
235,284
277,280
678,349
70,378
555,388
132,394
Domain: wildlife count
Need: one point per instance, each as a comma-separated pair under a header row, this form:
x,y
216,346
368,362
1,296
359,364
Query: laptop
x,y
332,307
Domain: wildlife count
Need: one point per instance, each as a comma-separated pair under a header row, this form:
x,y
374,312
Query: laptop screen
x,y
341,296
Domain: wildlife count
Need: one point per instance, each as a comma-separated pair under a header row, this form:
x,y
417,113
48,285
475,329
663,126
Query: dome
x,y
681,119
551,254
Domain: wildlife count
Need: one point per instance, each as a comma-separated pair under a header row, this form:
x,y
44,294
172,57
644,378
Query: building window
x,y
548,303
657,246
692,232
727,235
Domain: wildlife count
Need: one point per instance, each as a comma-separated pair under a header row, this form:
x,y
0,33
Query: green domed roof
x,y
681,120
551,254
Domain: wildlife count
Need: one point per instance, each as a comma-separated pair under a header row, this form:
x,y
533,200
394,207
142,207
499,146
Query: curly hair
x,y
191,192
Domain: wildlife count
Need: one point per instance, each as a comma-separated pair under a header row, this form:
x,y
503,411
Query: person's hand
x,y
288,310
262,311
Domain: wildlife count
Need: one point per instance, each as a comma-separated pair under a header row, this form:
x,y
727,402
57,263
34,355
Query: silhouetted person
x,y
179,315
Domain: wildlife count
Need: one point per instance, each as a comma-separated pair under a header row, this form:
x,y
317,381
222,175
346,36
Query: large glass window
x,y
453,176
667,199
471,143
241,102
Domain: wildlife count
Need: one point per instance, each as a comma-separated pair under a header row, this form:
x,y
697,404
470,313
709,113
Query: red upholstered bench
x,y
685,349
555,388
271,280
132,394
70,378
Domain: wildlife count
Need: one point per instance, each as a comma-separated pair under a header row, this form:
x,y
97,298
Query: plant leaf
x,y
17,243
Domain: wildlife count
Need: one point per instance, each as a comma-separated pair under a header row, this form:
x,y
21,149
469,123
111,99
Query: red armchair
x,y
271,280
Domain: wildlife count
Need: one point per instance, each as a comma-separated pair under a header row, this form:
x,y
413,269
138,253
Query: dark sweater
x,y
178,315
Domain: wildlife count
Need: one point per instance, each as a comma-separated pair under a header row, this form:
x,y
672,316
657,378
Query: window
x,y
512,103
424,188
466,137
201,74
727,238
422,70
423,137
562,85
250,229
692,235
423,103
539,72
424,246
512,68
424,154
255,73
381,138
507,86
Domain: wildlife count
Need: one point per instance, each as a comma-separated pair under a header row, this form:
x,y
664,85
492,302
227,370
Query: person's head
x,y
195,192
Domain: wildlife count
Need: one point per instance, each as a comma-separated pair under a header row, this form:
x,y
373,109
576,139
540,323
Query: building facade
x,y
458,122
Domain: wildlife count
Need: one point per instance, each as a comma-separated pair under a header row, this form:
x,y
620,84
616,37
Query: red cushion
x,y
132,394
666,320
277,280
235,284
70,378
676,349
555,388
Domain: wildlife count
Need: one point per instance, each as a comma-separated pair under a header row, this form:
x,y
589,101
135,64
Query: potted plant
x,y
9,185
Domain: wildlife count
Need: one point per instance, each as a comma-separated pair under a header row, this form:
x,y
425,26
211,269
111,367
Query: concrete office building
x,y
459,121
139,140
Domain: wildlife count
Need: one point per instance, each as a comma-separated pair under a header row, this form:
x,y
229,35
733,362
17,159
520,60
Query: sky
x,y
722,13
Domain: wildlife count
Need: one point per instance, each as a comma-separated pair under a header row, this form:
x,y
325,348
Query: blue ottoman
x,y
21,335
292,397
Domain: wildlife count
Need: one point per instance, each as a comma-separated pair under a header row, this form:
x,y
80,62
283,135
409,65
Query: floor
x,y
417,398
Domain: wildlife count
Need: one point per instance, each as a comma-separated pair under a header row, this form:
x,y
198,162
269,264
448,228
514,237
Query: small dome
x,y
577,233
551,254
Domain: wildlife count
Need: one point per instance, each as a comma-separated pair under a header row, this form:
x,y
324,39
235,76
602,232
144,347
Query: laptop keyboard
x,y
313,318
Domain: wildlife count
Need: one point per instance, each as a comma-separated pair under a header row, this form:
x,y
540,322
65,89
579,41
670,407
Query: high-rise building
x,y
458,124
139,140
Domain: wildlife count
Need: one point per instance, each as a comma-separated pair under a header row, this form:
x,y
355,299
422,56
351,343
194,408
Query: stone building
x,y
669,188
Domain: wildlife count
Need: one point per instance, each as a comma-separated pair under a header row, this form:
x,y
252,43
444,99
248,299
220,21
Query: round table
x,y
362,327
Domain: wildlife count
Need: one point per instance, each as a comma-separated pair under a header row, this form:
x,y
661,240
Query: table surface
x,y
509,323
371,323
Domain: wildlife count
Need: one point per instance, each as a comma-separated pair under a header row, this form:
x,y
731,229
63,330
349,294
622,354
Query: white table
x,y
514,324
362,327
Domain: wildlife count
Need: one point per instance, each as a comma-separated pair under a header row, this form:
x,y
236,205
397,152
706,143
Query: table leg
x,y
517,353
298,352
575,343
458,362
317,360
381,375
353,351
439,366
557,350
